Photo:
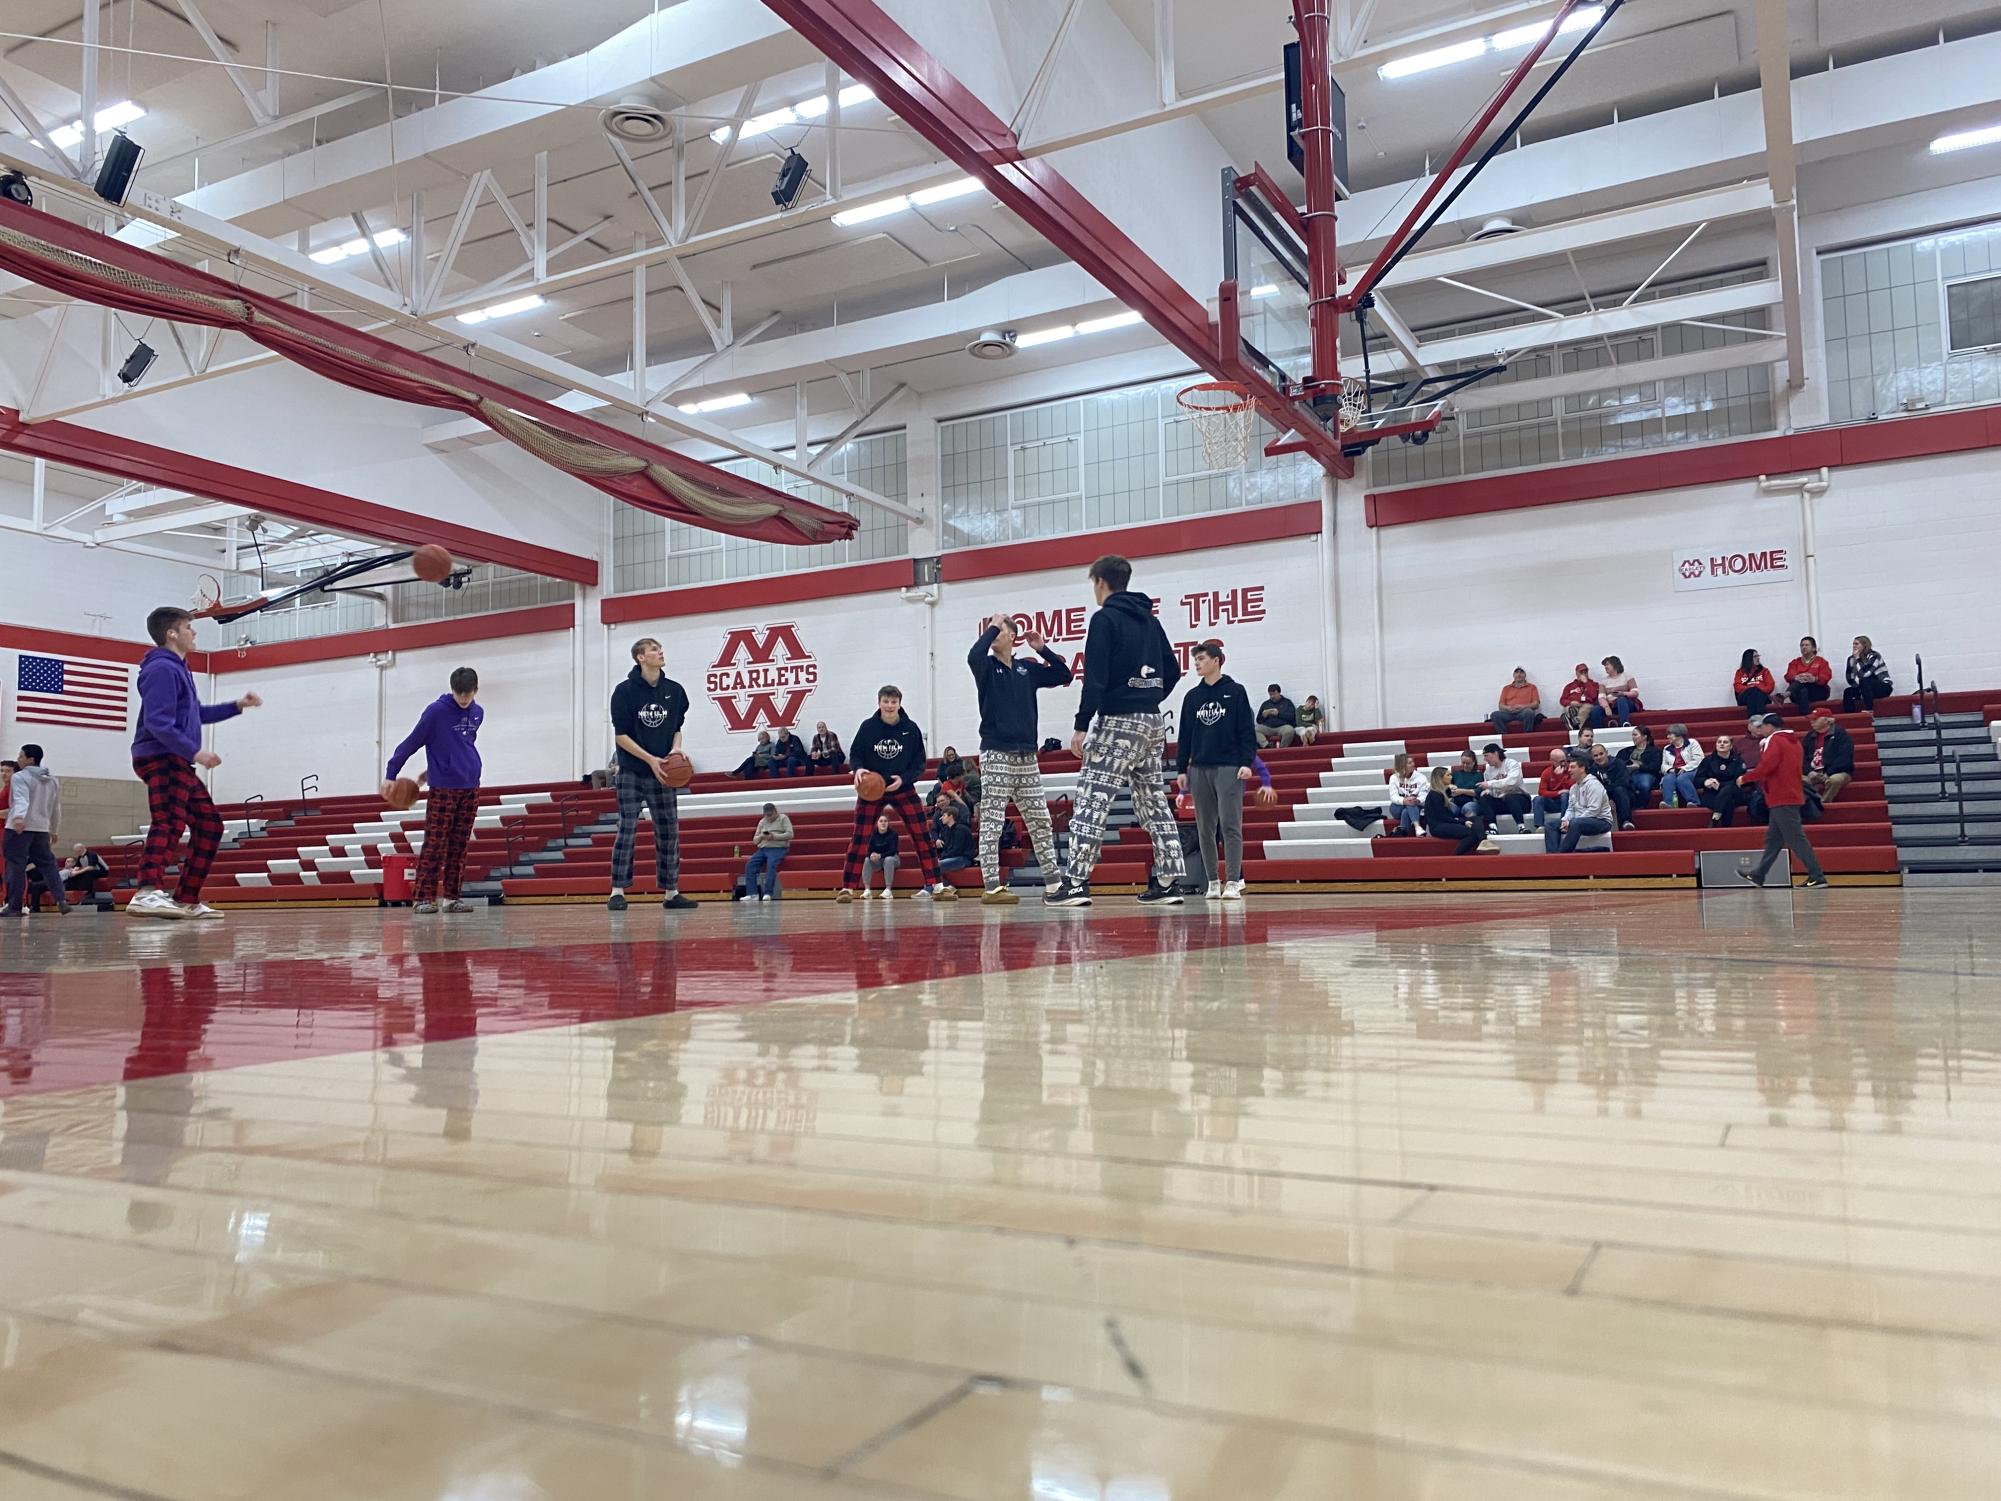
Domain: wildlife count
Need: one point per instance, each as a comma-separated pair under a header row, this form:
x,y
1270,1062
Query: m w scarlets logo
x,y
762,678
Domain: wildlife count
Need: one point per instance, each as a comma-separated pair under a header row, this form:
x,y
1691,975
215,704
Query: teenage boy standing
x,y
648,711
34,809
890,744
1213,752
165,753
448,734
1009,771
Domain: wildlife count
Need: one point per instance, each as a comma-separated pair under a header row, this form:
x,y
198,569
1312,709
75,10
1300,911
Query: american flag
x,y
72,692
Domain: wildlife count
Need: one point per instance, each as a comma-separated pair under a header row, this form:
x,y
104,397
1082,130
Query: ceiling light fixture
x,y
946,191
716,404
1514,38
1966,140
124,112
1044,336
794,114
1528,36
1105,325
882,208
139,233
333,255
502,309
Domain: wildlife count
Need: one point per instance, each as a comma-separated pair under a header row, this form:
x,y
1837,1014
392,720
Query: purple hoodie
x,y
447,735
171,712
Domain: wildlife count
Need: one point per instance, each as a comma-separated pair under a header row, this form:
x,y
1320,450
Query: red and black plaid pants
x,y
448,814
177,801
903,802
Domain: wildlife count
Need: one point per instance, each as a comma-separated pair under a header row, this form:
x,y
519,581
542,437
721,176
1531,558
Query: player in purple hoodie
x,y
447,732
165,753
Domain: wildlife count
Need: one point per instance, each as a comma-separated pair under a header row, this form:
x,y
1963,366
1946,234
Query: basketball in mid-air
x,y
870,785
402,794
431,563
676,770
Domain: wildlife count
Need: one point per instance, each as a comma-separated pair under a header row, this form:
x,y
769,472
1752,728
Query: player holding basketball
x,y
648,711
165,753
1009,771
889,745
1129,668
448,733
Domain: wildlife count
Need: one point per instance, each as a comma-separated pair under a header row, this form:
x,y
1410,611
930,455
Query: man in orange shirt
x,y
1521,706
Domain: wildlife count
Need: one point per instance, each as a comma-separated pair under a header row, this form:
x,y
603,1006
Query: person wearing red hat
x,y
1579,703
1828,756
1778,775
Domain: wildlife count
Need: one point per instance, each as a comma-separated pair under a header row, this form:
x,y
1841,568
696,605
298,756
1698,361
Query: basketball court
x,y
463,482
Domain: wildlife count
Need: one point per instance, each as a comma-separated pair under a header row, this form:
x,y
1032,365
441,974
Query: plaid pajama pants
x,y
904,803
1124,751
176,801
1013,777
637,790
448,815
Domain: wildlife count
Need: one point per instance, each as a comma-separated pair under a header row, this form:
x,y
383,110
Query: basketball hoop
x,y
207,595
1354,403
1221,411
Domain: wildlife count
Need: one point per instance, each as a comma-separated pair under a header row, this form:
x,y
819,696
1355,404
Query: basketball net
x,y
1354,403
1221,411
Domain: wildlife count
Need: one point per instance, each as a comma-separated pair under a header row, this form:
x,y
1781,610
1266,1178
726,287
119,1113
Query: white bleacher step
x,y
1318,849
1388,748
1322,829
1368,763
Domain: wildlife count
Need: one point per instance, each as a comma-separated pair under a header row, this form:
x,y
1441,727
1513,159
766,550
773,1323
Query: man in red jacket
x,y
1778,775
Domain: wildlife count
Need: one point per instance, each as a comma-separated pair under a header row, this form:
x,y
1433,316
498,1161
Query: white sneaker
x,y
1214,893
204,910
156,903
1233,891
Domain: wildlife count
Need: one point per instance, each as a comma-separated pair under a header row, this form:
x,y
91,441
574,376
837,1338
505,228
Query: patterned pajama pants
x,y
448,814
176,800
1124,751
903,803
637,790
1013,777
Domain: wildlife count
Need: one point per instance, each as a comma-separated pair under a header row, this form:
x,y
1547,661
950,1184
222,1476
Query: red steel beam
x,y
126,458
1323,265
869,45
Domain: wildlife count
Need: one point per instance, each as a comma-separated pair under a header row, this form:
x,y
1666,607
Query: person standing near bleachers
x,y
648,712
1009,771
1779,775
34,809
448,734
1215,750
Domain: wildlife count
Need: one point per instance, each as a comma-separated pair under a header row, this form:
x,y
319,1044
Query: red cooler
x,y
396,887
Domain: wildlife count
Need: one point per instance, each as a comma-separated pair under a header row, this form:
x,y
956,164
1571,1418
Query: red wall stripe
x,y
1676,469
541,620
30,638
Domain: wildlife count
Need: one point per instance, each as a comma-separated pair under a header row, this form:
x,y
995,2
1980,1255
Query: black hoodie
x,y
894,750
1216,726
1007,692
1129,665
651,713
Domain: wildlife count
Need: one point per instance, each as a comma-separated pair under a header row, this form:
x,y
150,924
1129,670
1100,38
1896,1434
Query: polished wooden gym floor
x,y
1543,1196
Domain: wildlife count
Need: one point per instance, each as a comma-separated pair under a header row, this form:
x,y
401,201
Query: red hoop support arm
x,y
1323,266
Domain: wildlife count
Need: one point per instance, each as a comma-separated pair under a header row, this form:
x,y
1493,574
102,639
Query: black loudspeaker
x,y
137,363
14,188
121,161
791,177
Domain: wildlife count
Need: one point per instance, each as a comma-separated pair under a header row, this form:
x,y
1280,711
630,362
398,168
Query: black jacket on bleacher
x,y
1840,751
1216,726
1007,690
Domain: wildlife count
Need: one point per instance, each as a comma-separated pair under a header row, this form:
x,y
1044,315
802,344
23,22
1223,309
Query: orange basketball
x,y
403,794
431,563
870,786
676,770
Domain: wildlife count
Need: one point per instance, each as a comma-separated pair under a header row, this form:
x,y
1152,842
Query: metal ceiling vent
x,y
992,344
637,121
1493,229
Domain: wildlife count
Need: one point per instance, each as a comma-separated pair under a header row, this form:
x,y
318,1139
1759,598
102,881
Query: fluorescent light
x,y
1105,325
1438,57
1044,336
138,232
1265,289
716,404
1528,36
1964,140
792,114
333,255
124,112
502,309
881,209
944,192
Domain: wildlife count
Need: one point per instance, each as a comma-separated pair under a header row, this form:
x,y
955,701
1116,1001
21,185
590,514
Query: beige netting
x,y
95,270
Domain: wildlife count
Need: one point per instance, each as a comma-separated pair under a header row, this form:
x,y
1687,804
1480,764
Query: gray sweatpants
x,y
1219,798
1013,777
1786,831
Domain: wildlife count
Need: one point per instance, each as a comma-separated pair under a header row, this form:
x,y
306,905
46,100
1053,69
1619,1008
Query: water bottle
x,y
1917,710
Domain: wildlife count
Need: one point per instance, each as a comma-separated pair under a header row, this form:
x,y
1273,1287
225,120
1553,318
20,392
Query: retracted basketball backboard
x,y
1295,120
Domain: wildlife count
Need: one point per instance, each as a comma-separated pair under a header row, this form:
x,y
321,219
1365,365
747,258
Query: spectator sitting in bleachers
x,y
1618,694
772,841
1716,781
1807,676
1618,783
1642,760
826,753
882,850
83,871
1583,745
1829,756
1278,721
758,762
1868,678
1501,789
1752,683
1587,813
1442,819
1679,759
1408,787
951,768
1520,708
1553,787
1311,720
1580,698
788,756
955,842
1465,789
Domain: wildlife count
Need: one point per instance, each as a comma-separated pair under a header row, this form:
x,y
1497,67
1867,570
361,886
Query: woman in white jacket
x,y
1408,786
1679,758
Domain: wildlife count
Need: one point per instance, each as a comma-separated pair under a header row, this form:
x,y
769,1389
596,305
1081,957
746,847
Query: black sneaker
x,y
1067,893
1157,895
679,903
1820,885
617,902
